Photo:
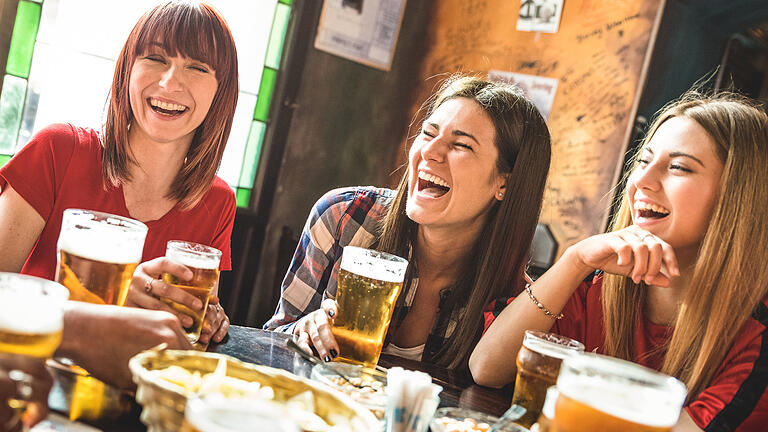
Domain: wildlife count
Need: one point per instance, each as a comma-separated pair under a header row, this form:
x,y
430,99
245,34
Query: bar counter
x,y
268,348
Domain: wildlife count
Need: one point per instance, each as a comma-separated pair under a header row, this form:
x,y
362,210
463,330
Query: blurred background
x,y
308,120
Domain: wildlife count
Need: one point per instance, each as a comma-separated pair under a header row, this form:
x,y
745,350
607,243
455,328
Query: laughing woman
x,y
170,111
464,215
684,282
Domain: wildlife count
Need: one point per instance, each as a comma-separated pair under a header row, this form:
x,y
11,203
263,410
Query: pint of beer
x,y
97,255
204,263
538,364
607,394
31,315
368,285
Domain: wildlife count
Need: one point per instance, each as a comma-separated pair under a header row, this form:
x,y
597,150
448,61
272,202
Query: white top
x,y
412,353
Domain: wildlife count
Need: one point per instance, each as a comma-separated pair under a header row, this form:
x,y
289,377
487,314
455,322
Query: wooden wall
x,y
599,56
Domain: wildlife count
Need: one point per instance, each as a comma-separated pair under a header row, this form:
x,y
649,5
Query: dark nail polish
x,y
331,313
327,359
334,353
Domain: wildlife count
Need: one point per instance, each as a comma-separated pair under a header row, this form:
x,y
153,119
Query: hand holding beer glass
x,y
97,254
538,365
31,324
596,392
203,261
368,285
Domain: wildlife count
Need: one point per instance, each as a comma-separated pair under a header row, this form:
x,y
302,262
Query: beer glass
x,y
31,315
31,321
368,285
607,394
204,263
538,364
218,414
97,253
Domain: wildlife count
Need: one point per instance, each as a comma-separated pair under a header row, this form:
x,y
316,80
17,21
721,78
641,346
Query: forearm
x,y
492,361
77,316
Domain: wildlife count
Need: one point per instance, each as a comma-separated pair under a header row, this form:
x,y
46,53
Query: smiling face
x,y
170,96
674,187
452,174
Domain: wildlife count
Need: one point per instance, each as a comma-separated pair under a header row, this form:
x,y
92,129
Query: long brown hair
x,y
194,30
497,263
729,279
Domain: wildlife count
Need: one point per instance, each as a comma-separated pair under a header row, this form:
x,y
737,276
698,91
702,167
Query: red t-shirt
x,y
735,400
60,168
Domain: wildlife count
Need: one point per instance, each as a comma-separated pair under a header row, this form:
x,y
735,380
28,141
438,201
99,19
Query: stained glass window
x,y
62,58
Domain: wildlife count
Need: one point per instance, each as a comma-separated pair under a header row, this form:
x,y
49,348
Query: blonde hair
x,y
729,279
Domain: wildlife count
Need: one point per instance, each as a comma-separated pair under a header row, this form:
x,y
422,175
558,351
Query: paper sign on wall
x,y
540,90
361,30
540,15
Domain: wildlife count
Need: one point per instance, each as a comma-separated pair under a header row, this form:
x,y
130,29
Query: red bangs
x,y
191,30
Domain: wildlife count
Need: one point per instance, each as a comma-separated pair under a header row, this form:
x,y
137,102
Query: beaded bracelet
x,y
538,304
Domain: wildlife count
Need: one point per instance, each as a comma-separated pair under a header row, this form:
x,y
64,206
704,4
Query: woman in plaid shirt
x,y
464,215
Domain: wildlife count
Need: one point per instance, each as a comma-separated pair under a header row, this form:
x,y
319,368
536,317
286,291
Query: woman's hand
x,y
314,330
216,324
26,379
147,288
102,338
632,252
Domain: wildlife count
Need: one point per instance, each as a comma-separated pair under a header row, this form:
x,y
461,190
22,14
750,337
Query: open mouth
x,y
650,211
165,108
432,185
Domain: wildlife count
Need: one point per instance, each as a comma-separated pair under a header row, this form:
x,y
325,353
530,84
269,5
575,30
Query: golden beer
x,y
204,263
368,285
97,254
538,364
31,315
607,394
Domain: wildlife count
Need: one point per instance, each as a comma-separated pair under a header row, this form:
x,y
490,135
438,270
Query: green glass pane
x,y
23,38
4,159
264,98
277,36
243,197
11,107
251,155
285,2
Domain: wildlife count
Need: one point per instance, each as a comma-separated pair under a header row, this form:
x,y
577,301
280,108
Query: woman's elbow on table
x,y
487,374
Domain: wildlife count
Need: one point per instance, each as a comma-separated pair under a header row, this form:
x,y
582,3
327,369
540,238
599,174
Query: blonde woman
x,y
683,283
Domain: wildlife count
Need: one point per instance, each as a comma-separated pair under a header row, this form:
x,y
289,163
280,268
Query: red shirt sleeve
x,y
37,170
736,399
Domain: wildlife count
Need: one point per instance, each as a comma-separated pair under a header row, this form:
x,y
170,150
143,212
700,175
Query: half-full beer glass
x,y
368,285
204,263
607,394
97,255
538,364
31,315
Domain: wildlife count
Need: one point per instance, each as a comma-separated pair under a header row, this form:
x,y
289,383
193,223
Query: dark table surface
x,y
268,348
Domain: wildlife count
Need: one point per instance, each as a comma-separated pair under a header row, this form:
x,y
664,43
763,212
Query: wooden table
x,y
268,348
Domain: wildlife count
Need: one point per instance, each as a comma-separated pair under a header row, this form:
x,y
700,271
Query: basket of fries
x,y
166,379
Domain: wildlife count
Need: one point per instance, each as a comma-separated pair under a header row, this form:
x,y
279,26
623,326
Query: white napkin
x,y
411,400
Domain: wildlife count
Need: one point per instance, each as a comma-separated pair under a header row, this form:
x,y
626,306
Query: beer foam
x,y
192,260
547,348
373,264
657,407
29,314
101,245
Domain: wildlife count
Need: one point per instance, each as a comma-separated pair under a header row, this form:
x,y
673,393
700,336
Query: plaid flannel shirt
x,y
347,217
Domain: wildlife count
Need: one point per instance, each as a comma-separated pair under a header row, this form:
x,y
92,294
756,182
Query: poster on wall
x,y
364,31
540,90
540,15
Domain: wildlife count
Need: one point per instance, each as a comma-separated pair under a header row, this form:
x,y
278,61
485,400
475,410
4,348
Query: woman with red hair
x,y
170,112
